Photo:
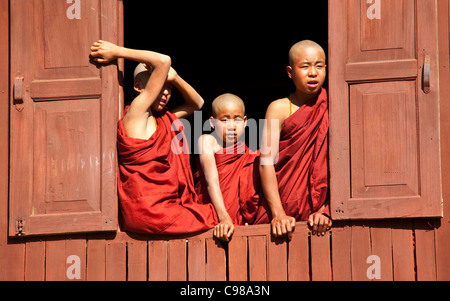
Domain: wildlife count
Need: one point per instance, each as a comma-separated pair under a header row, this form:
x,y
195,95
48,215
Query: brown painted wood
x,y
384,129
443,230
115,261
177,260
96,258
298,256
425,250
360,251
65,169
276,259
257,253
341,252
216,269
157,260
321,258
35,260
237,259
403,251
196,259
381,246
137,260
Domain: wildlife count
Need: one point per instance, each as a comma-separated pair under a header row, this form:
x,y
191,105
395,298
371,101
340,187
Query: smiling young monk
x,y
294,169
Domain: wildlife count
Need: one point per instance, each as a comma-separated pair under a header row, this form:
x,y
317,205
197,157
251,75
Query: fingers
x,y
283,227
319,224
223,231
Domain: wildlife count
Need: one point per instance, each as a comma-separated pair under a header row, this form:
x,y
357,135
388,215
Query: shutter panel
x,y
384,110
64,113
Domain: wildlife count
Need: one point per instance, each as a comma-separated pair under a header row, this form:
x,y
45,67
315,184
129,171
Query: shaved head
x,y
225,100
301,46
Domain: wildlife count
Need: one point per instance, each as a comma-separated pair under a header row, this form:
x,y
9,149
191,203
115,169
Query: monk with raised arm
x,y
294,152
156,188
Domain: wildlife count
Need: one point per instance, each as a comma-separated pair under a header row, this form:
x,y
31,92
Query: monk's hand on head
x,y
224,230
319,223
283,226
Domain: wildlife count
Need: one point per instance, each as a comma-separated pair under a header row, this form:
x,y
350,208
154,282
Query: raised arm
x,y
137,116
225,229
193,100
275,115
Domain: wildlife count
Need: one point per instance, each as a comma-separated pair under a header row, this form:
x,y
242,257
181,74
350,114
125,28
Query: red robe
x,y
239,182
302,166
156,188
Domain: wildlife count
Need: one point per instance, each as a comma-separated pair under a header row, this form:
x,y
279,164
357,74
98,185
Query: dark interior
x,y
226,47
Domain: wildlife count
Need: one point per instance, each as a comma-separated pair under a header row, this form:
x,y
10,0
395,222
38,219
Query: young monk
x,y
156,189
294,167
228,175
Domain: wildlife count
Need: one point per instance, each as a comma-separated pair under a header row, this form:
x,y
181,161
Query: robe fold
x,y
155,185
239,182
302,165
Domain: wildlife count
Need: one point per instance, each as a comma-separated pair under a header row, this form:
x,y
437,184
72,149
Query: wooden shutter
x,y
384,109
64,113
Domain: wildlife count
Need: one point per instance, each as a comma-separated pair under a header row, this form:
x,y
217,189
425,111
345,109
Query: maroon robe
x,y
156,188
239,182
302,165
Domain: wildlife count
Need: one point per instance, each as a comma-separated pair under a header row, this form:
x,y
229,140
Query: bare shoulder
x,y
278,109
208,144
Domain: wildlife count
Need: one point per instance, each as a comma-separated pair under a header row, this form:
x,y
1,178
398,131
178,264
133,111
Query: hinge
x,y
20,224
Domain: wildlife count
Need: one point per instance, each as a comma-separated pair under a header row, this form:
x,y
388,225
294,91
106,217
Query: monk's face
x,y
229,122
308,70
163,98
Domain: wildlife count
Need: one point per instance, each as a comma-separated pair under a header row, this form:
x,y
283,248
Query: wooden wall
x,y
411,249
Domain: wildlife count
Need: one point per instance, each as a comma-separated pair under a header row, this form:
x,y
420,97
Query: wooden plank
x,y
177,260
12,268
298,256
277,259
55,259
35,260
116,258
257,253
157,260
425,250
216,266
403,251
237,259
96,259
341,237
137,260
381,246
76,258
360,251
196,259
443,230
320,258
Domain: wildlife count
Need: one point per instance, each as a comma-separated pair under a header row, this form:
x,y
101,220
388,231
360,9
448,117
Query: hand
x,y
224,230
319,223
283,226
104,52
172,75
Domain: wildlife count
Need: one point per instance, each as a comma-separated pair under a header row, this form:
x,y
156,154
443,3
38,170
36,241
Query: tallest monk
x,y
294,163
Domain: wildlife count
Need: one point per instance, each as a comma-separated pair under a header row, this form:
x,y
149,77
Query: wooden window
x,y
384,109
64,113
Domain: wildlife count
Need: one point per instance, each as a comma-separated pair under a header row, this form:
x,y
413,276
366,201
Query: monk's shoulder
x,y
208,144
278,109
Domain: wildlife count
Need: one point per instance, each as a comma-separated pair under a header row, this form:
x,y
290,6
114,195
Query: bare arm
x,y
193,100
275,116
136,119
225,228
